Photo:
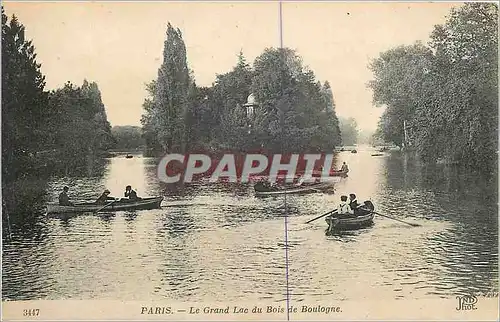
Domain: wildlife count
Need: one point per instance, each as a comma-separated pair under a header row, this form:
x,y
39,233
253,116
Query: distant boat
x,y
129,156
354,151
333,173
262,190
377,154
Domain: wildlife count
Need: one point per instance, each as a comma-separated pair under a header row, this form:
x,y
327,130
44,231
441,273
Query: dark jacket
x,y
354,204
132,195
64,199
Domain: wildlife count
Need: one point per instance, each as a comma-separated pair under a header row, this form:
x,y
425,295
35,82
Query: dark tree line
x,y
79,125
442,99
127,137
349,131
294,111
64,127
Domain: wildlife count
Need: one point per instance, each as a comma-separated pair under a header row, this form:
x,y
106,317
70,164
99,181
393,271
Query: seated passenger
x,y
344,208
131,194
104,198
353,202
63,198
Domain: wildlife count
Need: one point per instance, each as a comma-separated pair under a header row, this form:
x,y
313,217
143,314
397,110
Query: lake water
x,y
219,242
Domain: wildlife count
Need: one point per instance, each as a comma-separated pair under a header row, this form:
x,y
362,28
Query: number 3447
x,y
31,312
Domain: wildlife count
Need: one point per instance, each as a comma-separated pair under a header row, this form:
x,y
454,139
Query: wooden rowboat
x,y
362,218
261,190
333,173
123,204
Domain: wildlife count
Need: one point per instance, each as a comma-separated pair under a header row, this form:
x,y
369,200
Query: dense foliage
x,y
24,100
65,127
294,112
166,111
127,137
349,131
446,92
79,122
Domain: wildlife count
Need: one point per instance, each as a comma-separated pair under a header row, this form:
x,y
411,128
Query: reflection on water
x,y
218,242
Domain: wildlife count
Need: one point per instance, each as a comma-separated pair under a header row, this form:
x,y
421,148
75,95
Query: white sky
x,y
120,45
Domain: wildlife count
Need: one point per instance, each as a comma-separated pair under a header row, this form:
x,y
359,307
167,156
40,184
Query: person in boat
x,y
131,194
104,198
344,167
262,185
300,181
344,209
353,202
63,198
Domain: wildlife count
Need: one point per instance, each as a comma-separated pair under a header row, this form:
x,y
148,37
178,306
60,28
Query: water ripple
x,y
220,243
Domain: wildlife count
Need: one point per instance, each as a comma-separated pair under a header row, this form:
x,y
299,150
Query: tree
x,y
400,78
229,92
80,126
466,68
167,110
294,113
366,137
127,137
149,120
447,93
331,114
101,135
349,130
293,103
24,101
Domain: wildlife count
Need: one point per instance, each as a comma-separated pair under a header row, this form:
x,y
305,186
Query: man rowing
x,y
344,167
353,202
104,198
63,198
300,181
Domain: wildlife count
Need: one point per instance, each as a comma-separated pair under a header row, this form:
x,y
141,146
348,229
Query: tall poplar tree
x,y
166,112
331,113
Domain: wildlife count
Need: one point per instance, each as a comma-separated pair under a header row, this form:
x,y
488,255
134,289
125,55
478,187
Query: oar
x,y
408,223
330,212
105,206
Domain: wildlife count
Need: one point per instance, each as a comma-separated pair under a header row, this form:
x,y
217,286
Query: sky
x,y
119,45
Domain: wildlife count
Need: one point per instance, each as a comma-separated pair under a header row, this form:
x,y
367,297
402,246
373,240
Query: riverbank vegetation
x,y
127,138
289,109
45,130
349,131
441,99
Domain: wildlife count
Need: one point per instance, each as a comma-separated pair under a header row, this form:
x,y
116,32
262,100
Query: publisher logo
x,y
466,303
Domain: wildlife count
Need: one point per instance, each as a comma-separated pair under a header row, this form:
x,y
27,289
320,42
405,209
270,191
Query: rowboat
x,y
333,173
262,190
123,204
363,218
